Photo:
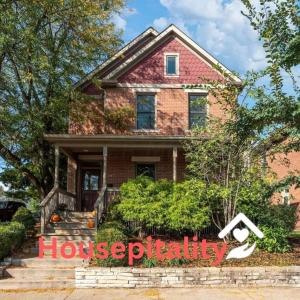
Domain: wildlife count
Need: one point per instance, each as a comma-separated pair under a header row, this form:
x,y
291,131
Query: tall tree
x,y
276,110
45,45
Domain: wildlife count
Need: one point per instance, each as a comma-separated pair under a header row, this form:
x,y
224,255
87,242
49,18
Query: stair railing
x,y
100,206
51,202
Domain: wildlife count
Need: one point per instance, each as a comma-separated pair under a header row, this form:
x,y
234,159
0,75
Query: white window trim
x,y
155,129
207,106
285,194
177,64
145,159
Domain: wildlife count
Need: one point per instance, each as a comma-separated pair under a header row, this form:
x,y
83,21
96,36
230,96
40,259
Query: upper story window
x,y
146,111
197,110
171,64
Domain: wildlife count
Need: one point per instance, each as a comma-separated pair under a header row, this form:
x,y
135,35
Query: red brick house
x,y
149,75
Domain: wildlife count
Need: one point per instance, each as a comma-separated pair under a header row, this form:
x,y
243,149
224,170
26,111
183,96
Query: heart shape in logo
x,y
241,234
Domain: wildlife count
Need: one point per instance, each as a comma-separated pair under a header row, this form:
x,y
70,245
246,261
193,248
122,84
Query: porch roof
x,y
115,141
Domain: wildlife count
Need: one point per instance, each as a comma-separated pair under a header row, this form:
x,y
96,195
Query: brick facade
x,y
171,108
282,166
172,112
120,168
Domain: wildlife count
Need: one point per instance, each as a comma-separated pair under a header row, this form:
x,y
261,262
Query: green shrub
x,y
282,216
178,262
164,204
275,239
25,217
150,262
12,236
111,233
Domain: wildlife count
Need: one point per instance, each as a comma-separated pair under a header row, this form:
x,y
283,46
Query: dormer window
x,y
171,64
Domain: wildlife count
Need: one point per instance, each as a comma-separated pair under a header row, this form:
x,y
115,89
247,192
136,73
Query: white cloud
x,y
119,19
161,23
219,27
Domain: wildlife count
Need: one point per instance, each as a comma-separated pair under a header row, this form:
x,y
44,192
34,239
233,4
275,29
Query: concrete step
x,y
13,284
74,219
61,238
68,225
49,262
73,231
40,273
77,214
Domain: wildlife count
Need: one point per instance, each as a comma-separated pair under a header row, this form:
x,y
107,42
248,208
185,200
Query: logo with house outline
x,y
241,235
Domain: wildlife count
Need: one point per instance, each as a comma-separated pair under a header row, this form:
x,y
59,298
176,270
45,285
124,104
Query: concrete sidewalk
x,y
157,294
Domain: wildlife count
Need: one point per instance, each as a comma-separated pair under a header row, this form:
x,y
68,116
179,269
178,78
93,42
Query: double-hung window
x,y
146,111
171,64
197,110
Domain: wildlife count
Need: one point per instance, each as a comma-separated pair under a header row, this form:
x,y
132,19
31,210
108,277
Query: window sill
x,y
145,130
172,76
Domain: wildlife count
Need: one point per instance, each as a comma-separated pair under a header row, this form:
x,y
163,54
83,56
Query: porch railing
x,y
51,202
105,197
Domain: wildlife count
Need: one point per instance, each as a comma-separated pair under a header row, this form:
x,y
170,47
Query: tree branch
x,y
15,161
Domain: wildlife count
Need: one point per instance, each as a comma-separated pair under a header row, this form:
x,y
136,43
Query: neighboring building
x,y
284,165
148,76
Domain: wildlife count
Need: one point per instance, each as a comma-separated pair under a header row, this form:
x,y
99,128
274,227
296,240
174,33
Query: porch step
x,y
77,214
81,224
48,262
61,238
38,273
72,231
13,284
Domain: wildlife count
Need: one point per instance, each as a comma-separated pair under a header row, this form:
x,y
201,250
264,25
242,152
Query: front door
x,y
90,186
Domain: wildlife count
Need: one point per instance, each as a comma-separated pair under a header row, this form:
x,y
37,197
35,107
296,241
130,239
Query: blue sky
x,y
217,26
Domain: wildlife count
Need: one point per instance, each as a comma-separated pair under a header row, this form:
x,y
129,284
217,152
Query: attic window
x,y
171,64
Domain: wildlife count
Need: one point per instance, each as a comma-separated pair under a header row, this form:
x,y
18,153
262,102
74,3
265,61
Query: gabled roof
x,y
172,29
131,60
150,31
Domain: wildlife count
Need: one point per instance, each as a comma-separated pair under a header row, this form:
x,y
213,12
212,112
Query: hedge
x,y
12,236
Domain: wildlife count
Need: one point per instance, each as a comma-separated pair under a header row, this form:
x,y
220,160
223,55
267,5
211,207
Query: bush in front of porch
x,y
165,205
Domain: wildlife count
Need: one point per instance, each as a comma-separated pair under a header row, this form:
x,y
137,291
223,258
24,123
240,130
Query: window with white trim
x,y
285,196
171,64
197,110
145,111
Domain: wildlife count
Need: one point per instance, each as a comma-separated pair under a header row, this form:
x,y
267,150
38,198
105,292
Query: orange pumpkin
x,y
91,224
55,218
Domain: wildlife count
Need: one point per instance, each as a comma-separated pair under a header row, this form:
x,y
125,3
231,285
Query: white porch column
x,y
56,172
175,164
104,179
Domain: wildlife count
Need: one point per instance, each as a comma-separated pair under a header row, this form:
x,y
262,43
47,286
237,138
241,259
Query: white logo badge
x,y
241,235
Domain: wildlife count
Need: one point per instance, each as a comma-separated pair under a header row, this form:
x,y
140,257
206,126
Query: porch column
x,y
104,180
174,164
56,172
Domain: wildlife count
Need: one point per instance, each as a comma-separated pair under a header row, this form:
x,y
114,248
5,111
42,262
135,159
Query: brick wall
x,y
171,112
189,277
120,168
282,166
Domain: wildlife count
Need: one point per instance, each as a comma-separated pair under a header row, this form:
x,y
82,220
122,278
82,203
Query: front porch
x,y
98,165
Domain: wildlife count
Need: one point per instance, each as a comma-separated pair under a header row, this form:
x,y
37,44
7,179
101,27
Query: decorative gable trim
x,y
89,76
134,59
